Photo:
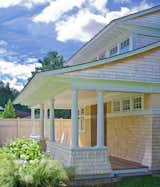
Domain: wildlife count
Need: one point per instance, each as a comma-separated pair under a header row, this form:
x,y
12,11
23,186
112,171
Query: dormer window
x,y
113,51
124,46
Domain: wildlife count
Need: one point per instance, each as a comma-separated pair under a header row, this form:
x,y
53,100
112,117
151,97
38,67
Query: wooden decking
x,y
120,164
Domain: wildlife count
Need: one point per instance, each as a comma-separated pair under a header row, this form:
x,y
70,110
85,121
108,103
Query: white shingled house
x,y
112,86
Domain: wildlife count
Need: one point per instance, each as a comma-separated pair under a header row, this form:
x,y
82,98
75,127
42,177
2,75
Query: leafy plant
x,y
24,149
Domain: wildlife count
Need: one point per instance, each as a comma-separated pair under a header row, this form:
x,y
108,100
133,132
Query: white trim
x,y
153,111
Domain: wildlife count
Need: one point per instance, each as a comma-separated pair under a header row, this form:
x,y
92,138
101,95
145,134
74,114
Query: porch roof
x,y
47,85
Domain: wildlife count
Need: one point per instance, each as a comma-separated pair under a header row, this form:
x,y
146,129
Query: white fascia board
x,y
116,86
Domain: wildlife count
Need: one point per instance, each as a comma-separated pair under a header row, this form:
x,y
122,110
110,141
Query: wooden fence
x,y
21,128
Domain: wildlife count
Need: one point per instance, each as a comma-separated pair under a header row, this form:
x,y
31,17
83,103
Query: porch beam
x,y
117,86
74,115
100,120
52,124
42,121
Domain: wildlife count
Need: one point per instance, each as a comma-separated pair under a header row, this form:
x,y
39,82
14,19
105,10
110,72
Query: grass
x,y
140,181
143,181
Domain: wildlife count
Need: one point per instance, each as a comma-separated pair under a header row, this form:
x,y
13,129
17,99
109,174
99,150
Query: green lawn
x,y
144,181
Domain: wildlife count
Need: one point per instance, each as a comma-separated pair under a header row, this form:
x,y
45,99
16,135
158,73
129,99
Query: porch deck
x,y
120,164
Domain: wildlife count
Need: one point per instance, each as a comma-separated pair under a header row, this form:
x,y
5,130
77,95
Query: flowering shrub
x,y
23,165
24,149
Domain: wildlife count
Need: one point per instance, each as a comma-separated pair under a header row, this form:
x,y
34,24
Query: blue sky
x,y
31,28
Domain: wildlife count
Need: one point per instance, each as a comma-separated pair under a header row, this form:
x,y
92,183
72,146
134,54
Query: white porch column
x,y
100,119
74,130
45,120
33,121
42,121
52,128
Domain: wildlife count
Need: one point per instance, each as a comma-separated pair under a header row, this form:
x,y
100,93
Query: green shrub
x,y
44,172
33,169
9,171
24,149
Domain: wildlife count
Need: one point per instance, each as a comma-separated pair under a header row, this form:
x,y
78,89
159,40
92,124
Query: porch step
x,y
131,172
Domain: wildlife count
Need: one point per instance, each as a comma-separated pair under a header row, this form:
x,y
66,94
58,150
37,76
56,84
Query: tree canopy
x,y
6,93
52,61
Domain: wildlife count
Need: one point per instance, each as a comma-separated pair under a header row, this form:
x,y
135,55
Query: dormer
x,y
121,36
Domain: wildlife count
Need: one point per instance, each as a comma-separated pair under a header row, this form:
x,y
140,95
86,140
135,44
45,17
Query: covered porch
x,y
71,93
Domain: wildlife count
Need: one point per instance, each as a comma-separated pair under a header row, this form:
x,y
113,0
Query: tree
x,y
9,111
6,93
52,61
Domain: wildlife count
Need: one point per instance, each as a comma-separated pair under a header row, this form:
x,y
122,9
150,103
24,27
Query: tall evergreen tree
x,y
9,111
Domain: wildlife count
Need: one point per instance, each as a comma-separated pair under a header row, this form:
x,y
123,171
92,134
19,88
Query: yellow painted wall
x,y
130,138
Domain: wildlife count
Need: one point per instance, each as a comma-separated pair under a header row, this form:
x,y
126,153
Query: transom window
x,y
129,103
126,104
125,43
113,51
137,103
116,106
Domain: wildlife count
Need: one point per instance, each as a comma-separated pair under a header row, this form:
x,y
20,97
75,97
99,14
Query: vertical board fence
x,y
21,128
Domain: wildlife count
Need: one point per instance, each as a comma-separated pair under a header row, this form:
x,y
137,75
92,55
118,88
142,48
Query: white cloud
x,y
85,24
122,1
100,5
3,43
3,51
16,71
26,3
56,9
78,28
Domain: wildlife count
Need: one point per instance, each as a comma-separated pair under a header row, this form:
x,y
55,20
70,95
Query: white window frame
x,y
127,46
126,99
116,46
142,102
113,109
81,120
131,99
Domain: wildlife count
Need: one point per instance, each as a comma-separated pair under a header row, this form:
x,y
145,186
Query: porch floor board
x,y
119,163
